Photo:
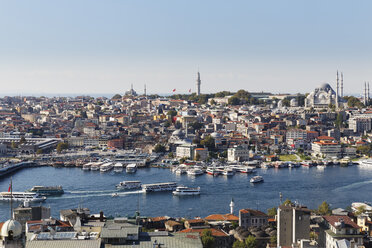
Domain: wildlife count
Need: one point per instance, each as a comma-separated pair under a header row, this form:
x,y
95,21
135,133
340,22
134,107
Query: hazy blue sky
x,y
90,46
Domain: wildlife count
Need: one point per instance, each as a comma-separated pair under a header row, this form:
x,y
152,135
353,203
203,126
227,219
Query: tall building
x,y
293,224
198,83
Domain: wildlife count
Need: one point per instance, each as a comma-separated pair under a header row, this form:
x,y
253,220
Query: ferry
x,y
366,163
155,187
182,190
246,170
95,166
86,167
131,168
180,171
21,196
129,185
256,179
195,172
47,190
118,167
106,167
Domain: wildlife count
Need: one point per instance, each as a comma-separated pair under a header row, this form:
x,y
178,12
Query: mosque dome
x,y
294,102
178,133
215,135
11,225
325,87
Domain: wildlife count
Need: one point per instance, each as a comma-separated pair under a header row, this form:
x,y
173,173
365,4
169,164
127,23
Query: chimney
x,y
101,216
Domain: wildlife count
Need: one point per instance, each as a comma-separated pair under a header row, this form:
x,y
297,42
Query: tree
x,y
170,155
172,113
116,96
360,210
238,244
233,100
62,146
354,102
208,142
213,102
167,124
287,202
159,148
207,239
286,102
324,209
273,240
234,224
22,140
251,242
197,157
339,120
271,211
39,151
14,145
196,125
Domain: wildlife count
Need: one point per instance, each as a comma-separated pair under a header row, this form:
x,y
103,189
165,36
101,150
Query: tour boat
x,y
95,166
129,185
86,167
47,190
106,167
118,167
212,171
256,179
131,168
246,170
21,196
182,190
155,187
180,171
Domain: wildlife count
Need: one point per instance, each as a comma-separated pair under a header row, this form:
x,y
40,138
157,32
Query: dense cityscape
x,y
220,135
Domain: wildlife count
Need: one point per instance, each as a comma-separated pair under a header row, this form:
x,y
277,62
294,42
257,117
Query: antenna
x,y
11,198
281,197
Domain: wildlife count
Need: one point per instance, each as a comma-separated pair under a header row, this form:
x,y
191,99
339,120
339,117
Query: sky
x,y
102,47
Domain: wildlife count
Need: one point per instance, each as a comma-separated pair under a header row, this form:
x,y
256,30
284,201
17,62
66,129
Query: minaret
x,y
337,92
342,85
365,94
368,93
144,91
198,83
232,205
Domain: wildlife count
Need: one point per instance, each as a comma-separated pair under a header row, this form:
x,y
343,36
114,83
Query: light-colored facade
x,y
296,134
252,218
238,154
185,151
326,149
361,124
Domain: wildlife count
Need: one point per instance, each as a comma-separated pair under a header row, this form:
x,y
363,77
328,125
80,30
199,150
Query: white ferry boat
x,y
86,167
246,170
129,185
95,166
21,196
366,162
118,167
180,171
182,190
213,171
195,172
131,168
256,179
155,187
106,167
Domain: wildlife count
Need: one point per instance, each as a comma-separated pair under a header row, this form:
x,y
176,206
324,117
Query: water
x,y
310,186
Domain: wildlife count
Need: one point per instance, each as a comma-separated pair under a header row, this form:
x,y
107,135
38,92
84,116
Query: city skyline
x,y
88,47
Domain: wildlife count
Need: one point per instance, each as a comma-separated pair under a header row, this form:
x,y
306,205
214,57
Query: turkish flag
x,y
174,90
10,187
190,90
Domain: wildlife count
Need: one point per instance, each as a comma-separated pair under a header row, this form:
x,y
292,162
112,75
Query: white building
x,y
185,151
326,149
238,153
360,124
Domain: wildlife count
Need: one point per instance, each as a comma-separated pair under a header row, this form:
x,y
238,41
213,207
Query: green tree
x,y
286,102
233,100
251,242
208,142
170,155
287,202
167,124
234,224
213,102
271,211
324,209
360,210
172,112
207,239
116,96
339,120
62,146
159,148
39,151
14,145
273,240
354,102
238,244
196,125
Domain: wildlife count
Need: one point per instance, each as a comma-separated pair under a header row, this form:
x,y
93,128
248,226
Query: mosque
x,y
324,95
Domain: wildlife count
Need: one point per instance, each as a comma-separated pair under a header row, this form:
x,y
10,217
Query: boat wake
x,y
353,185
90,191
97,194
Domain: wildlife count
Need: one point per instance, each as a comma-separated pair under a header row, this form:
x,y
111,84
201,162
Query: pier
x,y
8,169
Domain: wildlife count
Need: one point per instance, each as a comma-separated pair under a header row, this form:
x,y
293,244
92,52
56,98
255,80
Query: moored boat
x,y
118,167
131,168
21,196
106,167
195,172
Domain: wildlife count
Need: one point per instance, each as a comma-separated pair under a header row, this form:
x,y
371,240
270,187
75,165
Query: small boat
x,y
118,167
213,171
228,172
246,170
95,166
182,190
129,185
256,179
114,195
86,167
131,168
